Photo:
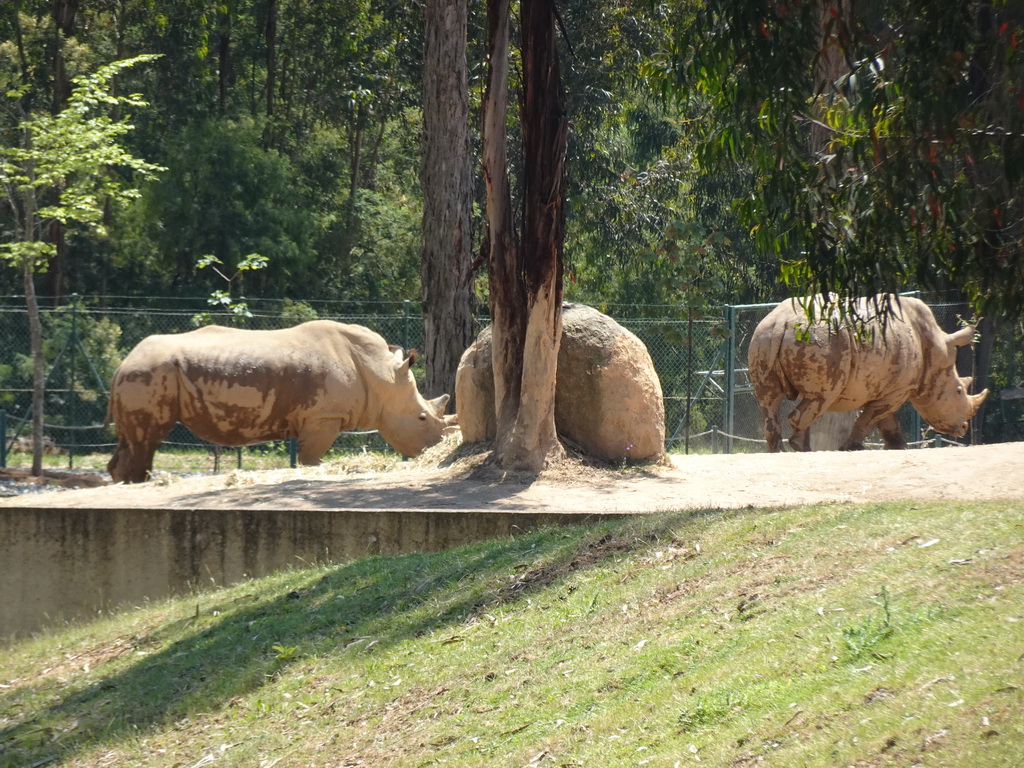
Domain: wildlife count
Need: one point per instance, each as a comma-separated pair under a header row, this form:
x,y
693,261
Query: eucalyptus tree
x,y
526,269
447,182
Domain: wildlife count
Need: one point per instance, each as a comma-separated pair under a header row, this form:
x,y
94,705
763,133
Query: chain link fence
x,y
709,403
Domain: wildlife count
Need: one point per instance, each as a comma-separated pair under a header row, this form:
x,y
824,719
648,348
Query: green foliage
x,y
237,307
641,207
68,165
285,653
296,312
73,331
223,194
709,710
882,141
861,639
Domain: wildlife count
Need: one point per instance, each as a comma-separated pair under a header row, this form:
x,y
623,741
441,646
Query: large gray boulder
x,y
608,397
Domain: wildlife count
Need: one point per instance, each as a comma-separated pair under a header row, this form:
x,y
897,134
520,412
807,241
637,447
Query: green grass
x,y
831,635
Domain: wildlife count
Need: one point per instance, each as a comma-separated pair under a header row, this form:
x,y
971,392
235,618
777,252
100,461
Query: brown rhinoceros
x,y
237,387
831,365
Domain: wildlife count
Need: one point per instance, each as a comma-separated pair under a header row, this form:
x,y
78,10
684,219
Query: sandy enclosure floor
x,y
451,477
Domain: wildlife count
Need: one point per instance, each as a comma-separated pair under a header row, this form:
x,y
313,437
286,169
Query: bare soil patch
x,y
462,477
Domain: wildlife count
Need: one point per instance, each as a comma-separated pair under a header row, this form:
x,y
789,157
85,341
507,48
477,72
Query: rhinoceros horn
x,y
977,400
438,404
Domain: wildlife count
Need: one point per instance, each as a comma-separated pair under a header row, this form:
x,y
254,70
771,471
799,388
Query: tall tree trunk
x,y
446,179
507,291
271,55
64,12
35,343
351,233
64,16
526,280
224,59
35,332
271,36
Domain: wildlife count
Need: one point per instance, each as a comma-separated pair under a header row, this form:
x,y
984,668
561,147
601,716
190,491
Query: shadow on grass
x,y
236,646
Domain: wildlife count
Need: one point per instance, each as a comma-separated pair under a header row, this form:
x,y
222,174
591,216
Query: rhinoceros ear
x,y
962,337
402,363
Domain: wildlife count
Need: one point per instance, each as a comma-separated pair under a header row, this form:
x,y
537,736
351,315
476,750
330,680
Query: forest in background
x,y
291,129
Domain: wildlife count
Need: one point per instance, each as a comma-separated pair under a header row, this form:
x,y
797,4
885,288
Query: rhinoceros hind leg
x,y
772,428
133,460
131,463
805,414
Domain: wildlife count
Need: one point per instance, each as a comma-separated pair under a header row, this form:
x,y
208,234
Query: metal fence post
x,y
405,324
71,387
293,452
714,438
3,438
730,376
689,378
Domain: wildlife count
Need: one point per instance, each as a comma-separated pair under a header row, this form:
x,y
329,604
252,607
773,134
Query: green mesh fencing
x,y
709,404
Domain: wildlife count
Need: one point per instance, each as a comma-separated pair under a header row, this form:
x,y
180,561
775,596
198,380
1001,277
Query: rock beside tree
x,y
608,398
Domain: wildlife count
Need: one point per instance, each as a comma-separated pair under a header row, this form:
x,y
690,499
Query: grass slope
x,y
829,635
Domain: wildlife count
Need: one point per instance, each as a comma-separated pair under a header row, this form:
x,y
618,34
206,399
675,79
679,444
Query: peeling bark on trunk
x,y
446,179
507,292
526,277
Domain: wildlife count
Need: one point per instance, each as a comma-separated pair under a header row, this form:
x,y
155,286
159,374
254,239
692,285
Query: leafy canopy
x,y
886,138
67,164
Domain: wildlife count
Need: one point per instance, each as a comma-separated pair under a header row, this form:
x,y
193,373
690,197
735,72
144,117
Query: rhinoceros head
x,y
947,406
409,422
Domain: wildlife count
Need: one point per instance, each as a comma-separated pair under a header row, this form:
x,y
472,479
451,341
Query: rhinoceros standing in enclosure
x,y
236,387
831,366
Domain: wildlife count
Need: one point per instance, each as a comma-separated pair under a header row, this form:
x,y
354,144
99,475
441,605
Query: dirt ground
x,y
453,477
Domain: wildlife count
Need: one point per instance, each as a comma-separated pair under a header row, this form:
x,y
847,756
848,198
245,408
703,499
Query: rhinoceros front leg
x,y
892,433
805,414
314,441
881,413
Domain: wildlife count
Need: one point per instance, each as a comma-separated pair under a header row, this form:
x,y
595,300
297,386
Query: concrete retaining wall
x,y
65,564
